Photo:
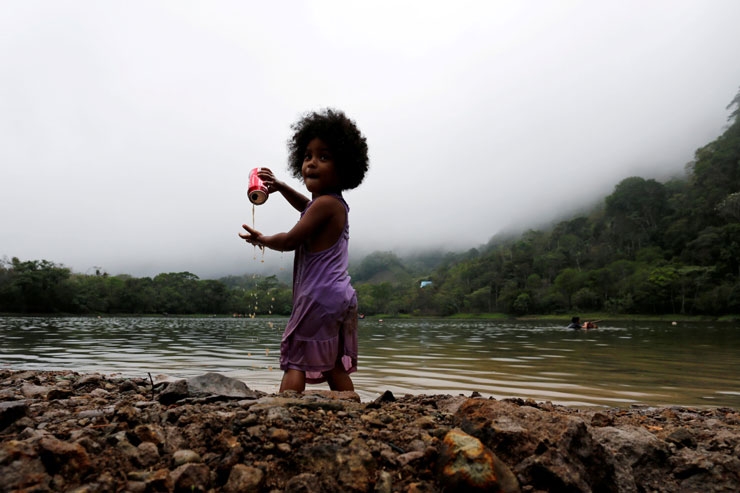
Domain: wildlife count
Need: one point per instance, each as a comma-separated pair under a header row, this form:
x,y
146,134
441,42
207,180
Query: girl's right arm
x,y
293,196
318,228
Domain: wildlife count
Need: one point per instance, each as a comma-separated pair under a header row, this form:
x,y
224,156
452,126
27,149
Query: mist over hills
x,y
129,128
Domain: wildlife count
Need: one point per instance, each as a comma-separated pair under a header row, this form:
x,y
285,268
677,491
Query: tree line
x,y
41,286
648,248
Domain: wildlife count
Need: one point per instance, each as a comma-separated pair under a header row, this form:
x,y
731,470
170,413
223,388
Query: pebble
x,y
244,479
181,457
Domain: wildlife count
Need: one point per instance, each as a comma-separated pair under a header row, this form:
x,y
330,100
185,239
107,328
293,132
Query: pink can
x,y
257,191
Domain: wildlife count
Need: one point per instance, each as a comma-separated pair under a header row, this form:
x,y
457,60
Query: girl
x,y
319,344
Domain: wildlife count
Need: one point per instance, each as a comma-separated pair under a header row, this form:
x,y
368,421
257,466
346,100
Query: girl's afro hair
x,y
347,144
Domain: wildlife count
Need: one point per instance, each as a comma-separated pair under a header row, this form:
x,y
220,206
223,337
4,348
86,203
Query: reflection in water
x,y
619,365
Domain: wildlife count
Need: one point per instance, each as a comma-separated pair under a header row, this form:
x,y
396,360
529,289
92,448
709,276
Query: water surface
x,y
691,364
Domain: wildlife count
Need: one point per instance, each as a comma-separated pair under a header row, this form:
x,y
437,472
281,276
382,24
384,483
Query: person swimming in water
x,y
575,323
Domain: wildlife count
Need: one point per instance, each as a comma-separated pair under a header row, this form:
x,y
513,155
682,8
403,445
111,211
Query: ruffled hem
x,y
314,357
349,364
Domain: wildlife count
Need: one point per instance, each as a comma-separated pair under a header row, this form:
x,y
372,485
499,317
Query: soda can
x,y
257,191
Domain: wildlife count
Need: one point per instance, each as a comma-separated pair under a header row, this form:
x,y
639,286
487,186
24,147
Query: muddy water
x,y
620,364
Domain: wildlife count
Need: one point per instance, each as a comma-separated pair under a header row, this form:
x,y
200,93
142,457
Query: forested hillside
x,y
650,247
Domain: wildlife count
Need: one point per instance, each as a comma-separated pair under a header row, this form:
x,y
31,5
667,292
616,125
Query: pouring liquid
x,y
255,246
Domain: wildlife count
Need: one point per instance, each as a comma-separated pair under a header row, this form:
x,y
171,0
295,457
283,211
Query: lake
x,y
617,365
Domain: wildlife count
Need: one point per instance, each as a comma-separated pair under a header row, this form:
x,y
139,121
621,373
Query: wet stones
x,y
181,457
64,458
32,391
174,392
59,394
148,454
146,481
150,433
88,382
12,411
111,435
683,438
244,479
191,477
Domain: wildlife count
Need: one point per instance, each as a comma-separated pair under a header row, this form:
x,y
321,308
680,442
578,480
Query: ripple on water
x,y
647,364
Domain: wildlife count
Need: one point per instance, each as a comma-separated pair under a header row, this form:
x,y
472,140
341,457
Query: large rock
x,y
548,451
466,465
208,385
638,455
219,385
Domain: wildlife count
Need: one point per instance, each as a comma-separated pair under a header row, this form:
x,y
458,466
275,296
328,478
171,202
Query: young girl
x,y
319,344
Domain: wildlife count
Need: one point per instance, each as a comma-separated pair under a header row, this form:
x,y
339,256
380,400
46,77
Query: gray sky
x,y
128,129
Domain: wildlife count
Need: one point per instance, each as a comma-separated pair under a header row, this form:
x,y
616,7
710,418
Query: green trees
x,y
40,286
634,213
716,175
33,286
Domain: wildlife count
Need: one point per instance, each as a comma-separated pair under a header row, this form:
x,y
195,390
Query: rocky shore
x,y
64,431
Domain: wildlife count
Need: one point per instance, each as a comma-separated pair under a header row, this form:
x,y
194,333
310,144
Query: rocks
x,y
174,392
466,465
191,477
34,391
185,457
639,450
62,431
12,411
244,479
64,458
212,386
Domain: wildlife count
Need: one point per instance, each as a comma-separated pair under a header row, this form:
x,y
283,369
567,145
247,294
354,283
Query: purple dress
x,y
322,329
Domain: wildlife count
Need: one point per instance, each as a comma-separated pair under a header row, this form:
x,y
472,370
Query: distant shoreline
x,y
605,318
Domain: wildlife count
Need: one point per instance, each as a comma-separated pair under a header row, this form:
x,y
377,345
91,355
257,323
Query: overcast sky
x,y
128,129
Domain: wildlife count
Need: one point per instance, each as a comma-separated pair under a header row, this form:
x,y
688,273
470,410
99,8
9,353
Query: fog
x,y
128,129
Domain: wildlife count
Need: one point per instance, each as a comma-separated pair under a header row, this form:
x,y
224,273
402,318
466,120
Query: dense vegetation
x,y
650,247
44,287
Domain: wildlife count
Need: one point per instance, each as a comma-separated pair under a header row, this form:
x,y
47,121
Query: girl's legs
x,y
293,380
338,378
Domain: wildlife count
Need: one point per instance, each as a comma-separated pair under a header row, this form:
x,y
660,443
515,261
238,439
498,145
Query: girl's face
x,y
319,173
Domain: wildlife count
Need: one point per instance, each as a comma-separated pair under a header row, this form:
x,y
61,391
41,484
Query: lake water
x,y
691,364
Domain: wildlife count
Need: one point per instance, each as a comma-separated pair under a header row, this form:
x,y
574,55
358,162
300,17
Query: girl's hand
x,y
296,199
251,236
268,178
